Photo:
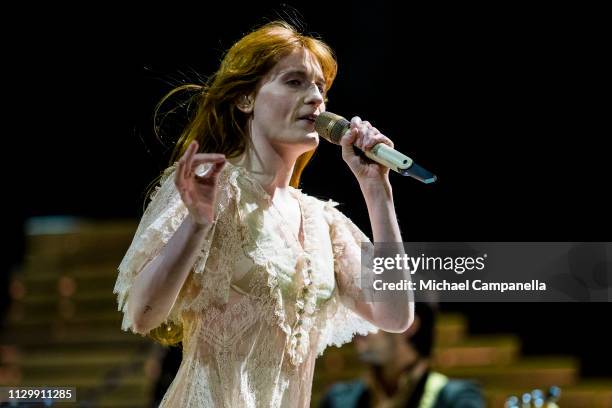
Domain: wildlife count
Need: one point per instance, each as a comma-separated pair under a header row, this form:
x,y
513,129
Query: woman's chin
x,y
313,136
304,142
312,140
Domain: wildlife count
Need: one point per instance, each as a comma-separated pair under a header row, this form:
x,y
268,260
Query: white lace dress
x,y
257,308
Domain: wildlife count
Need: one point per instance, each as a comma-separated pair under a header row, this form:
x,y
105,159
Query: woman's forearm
x,y
381,209
157,286
395,313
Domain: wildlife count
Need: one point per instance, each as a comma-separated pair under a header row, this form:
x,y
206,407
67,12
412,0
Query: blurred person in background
x,y
399,372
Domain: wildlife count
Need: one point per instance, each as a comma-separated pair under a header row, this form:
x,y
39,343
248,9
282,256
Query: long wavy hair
x,y
218,125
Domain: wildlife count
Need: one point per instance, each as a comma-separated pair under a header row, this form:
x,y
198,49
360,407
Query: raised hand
x,y
198,191
363,135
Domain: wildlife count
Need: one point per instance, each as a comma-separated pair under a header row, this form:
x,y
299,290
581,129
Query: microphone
x,y
332,127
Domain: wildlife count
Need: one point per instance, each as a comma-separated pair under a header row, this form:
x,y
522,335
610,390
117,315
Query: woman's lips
x,y
310,122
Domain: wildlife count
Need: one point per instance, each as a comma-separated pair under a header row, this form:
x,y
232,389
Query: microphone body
x,y
332,127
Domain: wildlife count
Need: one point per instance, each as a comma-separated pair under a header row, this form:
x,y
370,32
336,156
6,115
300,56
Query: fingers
x,y
191,159
365,136
197,190
348,139
214,173
182,168
191,151
207,158
182,171
374,138
179,180
214,162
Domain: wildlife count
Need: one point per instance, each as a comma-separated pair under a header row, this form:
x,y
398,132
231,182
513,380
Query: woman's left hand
x,y
363,135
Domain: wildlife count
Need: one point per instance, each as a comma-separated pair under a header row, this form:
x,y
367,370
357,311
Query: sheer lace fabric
x,y
256,309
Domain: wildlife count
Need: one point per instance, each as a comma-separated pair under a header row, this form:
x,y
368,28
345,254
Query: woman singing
x,y
259,276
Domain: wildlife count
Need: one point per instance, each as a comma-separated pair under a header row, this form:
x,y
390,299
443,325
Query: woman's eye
x,y
299,83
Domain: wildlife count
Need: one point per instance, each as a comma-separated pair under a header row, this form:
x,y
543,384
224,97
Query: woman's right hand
x,y
199,192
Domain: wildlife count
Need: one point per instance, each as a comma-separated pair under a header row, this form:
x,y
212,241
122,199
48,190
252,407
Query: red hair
x,y
218,125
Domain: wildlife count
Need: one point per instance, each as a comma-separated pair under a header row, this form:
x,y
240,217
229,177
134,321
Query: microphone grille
x,y
331,126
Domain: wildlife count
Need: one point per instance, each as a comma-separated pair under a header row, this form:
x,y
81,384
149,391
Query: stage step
x,y
450,328
527,373
477,351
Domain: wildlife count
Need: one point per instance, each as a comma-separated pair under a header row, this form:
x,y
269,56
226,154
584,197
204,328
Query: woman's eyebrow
x,y
301,73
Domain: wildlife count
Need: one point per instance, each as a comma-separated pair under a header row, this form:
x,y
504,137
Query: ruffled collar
x,y
257,188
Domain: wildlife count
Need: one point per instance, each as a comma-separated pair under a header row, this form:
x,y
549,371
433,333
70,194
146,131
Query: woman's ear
x,y
245,103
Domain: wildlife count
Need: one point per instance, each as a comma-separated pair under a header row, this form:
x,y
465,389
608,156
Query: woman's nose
x,y
314,95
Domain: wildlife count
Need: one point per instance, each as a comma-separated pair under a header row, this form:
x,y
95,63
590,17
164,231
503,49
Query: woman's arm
x,y
396,312
157,286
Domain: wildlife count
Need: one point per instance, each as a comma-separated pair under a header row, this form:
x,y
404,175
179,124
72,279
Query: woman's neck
x,y
271,166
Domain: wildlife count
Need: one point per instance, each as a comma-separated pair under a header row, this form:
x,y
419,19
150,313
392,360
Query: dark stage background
x,y
502,104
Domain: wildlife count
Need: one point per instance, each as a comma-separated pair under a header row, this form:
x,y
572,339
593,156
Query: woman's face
x,y
289,97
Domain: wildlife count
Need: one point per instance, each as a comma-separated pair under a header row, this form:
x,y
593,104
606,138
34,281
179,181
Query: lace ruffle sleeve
x,y
162,217
342,323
